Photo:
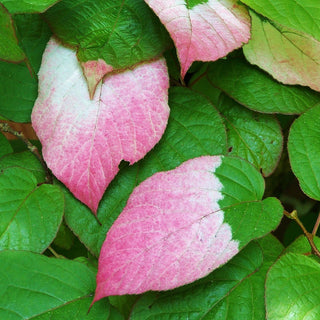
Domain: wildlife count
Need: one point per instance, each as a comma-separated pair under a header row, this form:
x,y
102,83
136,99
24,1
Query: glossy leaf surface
x,y
28,6
175,226
33,286
304,151
30,214
85,140
204,31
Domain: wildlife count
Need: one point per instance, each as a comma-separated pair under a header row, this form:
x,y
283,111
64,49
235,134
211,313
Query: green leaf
x,y
28,6
18,83
254,137
200,299
253,88
304,150
302,15
37,287
5,146
9,48
292,288
246,301
191,3
25,160
30,215
194,129
290,56
122,33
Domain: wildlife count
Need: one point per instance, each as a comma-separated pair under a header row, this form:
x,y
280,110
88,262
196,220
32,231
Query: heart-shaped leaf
x,y
85,140
304,151
180,225
109,34
33,286
253,88
235,291
290,56
194,129
29,215
203,30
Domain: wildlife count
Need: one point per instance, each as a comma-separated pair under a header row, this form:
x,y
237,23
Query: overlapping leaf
x,y
5,146
290,56
194,129
37,287
109,34
232,292
85,140
28,6
203,30
180,225
253,88
304,151
29,215
18,82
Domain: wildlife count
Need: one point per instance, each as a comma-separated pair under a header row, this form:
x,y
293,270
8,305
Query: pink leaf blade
x,y
172,232
206,32
84,140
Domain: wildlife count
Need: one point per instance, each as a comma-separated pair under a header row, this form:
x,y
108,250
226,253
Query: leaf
x,y
194,129
253,88
290,56
24,160
254,137
28,6
33,286
9,48
109,35
180,225
5,146
30,215
199,299
19,83
204,31
302,15
85,140
292,288
304,149
235,291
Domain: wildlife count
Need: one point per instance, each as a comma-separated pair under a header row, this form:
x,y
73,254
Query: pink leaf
x,y
84,140
207,31
170,233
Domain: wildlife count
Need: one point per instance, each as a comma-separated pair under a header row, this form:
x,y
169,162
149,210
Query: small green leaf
x,y
122,33
24,160
30,215
253,88
37,287
9,48
199,299
304,151
5,146
28,6
290,56
194,129
292,288
18,83
302,15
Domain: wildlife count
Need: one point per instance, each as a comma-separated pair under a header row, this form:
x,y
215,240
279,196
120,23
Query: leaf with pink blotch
x,y
85,140
203,30
179,225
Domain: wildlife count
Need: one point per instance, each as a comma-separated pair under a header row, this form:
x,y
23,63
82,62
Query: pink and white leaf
x,y
207,31
84,140
171,232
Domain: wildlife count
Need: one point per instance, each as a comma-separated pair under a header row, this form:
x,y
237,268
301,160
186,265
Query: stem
x,y
57,255
316,226
293,215
4,127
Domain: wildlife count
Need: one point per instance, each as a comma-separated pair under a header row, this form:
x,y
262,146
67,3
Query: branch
x,y
4,127
294,216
